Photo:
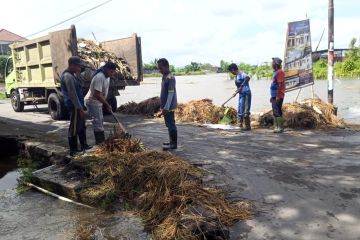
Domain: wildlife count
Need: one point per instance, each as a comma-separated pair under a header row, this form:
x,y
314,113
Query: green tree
x,y
208,67
172,68
192,67
224,65
3,60
263,71
247,68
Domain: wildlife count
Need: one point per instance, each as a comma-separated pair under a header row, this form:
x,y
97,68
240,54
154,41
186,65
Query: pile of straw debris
x,y
310,114
166,191
95,56
199,111
148,107
203,111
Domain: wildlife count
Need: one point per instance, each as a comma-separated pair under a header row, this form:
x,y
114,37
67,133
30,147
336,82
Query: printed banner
x,y
298,65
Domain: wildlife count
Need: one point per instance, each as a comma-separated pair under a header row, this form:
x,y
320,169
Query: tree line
x,y
348,68
196,68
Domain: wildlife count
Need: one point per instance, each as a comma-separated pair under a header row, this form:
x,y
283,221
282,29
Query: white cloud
x,y
184,30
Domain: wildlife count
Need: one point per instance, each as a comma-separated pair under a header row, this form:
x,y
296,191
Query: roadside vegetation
x,y
2,96
195,68
2,67
349,68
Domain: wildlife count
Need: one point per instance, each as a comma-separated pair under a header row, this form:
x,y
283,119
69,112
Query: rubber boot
x,y
166,145
99,137
173,141
247,124
83,142
280,124
241,121
73,146
276,125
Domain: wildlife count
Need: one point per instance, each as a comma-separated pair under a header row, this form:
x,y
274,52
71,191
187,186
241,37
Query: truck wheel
x,y
15,102
113,103
56,107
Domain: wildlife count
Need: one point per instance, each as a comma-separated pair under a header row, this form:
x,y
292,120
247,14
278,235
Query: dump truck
x,y
33,71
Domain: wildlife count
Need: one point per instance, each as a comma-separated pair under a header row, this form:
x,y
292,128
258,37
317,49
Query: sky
x,y
187,30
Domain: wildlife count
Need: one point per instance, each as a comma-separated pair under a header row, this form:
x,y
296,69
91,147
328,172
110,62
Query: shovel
x,y
123,132
226,119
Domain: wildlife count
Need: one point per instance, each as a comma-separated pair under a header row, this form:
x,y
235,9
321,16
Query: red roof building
x,y
7,38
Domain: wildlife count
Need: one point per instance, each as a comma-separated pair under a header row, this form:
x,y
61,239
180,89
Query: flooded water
x,y
219,88
33,215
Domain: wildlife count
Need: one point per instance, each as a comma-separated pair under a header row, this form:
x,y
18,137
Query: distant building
x,y
323,54
7,38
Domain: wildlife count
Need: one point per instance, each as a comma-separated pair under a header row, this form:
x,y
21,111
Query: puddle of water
x,y
33,215
9,181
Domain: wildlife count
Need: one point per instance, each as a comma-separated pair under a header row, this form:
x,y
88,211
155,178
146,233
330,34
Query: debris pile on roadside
x,y
166,191
199,111
95,56
310,114
148,107
202,111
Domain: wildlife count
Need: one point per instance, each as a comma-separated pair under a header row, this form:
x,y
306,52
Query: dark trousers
x,y
77,126
277,107
169,118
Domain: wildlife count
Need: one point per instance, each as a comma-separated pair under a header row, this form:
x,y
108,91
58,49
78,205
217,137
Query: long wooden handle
x,y
237,91
117,120
228,100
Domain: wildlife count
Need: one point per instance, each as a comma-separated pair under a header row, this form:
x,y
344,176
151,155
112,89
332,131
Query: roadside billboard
x,y
298,65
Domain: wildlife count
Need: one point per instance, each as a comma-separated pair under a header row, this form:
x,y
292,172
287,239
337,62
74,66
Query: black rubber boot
x,y
99,137
173,141
241,122
247,124
166,145
83,142
73,146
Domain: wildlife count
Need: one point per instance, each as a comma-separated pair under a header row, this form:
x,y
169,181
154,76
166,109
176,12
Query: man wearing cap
x,y
74,103
277,91
243,88
96,98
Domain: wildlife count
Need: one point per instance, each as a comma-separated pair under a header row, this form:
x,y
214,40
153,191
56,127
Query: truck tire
x,y
15,101
56,107
113,103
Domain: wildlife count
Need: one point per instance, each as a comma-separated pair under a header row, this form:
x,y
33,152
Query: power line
x,y
68,19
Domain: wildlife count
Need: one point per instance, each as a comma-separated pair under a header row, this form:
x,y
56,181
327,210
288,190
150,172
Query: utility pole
x,y
331,53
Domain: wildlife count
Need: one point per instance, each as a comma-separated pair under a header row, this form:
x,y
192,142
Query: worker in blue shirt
x,y
243,88
168,102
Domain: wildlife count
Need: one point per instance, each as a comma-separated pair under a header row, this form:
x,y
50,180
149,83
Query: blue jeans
x,y
96,113
244,105
169,118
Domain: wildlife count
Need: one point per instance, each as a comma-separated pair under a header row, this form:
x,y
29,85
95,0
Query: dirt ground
x,y
305,184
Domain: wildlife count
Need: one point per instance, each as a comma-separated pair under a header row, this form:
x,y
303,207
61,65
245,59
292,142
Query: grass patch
x,y
26,168
2,96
